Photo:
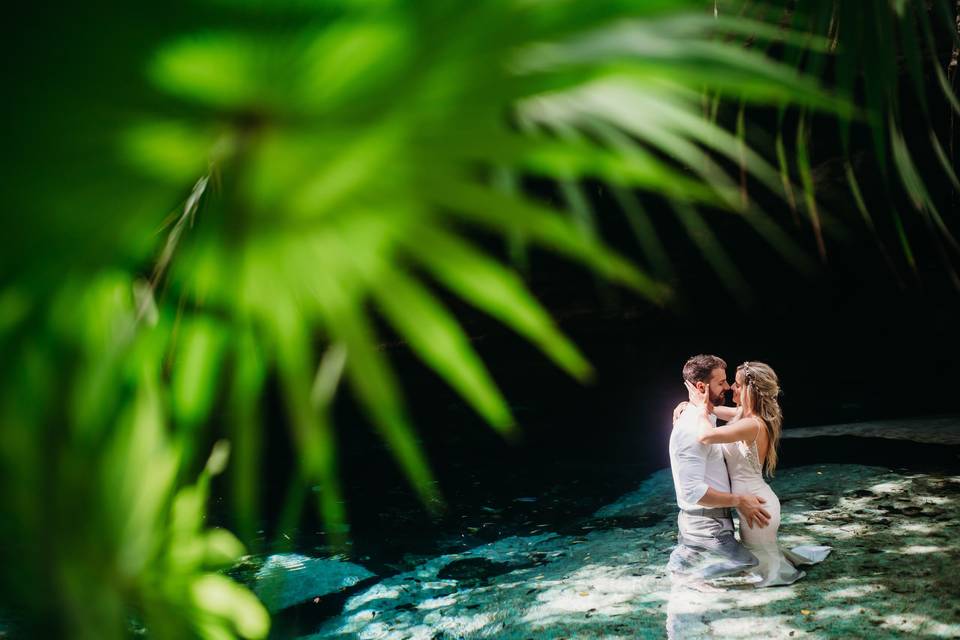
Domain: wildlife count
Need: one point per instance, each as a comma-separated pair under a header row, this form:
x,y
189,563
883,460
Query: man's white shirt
x,y
695,466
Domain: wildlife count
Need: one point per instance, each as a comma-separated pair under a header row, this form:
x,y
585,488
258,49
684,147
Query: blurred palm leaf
x,y
495,289
115,540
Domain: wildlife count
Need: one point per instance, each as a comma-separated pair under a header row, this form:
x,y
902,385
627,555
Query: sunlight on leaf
x,y
495,289
806,179
545,227
437,338
220,596
200,350
170,150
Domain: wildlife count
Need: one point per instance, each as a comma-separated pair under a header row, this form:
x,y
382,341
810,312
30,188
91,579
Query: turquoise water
x,y
893,521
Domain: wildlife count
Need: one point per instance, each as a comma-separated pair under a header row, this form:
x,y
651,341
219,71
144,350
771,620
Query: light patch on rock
x,y
376,592
436,603
917,549
919,624
855,591
890,487
913,528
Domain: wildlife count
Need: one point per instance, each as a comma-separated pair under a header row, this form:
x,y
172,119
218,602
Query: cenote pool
x,y
567,551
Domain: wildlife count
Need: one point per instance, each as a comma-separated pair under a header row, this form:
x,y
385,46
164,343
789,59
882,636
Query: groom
x,y
706,547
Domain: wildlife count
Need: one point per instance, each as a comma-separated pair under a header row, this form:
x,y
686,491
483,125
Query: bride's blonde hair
x,y
762,389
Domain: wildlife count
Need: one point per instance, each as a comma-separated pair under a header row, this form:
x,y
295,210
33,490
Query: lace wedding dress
x,y
777,566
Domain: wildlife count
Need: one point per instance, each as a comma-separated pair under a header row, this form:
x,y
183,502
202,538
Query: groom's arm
x,y
713,498
692,468
691,460
750,507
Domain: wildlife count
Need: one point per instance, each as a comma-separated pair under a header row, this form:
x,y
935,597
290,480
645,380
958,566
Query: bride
x,y
749,442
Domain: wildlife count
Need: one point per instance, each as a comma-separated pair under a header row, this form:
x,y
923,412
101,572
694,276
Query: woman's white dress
x,y
777,566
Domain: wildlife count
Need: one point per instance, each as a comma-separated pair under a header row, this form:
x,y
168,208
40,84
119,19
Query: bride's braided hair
x,y
762,388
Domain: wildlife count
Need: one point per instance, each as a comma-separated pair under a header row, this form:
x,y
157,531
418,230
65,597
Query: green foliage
x,y
241,185
867,46
97,524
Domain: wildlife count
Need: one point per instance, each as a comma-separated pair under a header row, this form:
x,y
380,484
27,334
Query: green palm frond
x,y
495,289
868,45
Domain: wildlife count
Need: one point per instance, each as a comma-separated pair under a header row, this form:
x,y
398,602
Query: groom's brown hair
x,y
698,368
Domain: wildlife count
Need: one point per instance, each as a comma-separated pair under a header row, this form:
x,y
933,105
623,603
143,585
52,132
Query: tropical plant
x,y
321,162
99,537
873,49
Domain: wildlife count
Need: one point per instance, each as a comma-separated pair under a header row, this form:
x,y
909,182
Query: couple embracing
x,y
717,469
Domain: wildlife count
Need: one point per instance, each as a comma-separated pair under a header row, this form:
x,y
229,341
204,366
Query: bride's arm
x,y
725,413
745,429
740,429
